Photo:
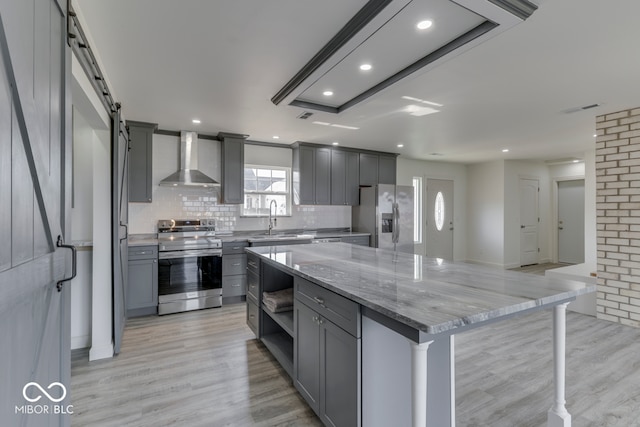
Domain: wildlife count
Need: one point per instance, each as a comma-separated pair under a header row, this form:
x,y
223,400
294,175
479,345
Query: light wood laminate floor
x,y
205,368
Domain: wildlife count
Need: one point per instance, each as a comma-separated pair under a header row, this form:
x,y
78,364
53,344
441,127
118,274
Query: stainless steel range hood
x,y
188,175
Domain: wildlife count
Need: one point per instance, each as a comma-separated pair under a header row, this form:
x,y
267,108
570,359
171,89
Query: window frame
x,y
286,193
417,209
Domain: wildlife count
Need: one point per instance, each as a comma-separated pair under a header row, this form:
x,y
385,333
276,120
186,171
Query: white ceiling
x,y
168,62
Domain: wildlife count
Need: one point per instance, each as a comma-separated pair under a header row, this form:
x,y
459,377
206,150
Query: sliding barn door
x,y
120,215
35,179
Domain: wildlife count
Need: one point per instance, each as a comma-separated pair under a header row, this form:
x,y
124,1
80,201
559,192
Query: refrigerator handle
x,y
396,223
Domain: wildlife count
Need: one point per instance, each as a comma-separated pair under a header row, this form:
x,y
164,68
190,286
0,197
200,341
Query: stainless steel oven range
x,y
189,265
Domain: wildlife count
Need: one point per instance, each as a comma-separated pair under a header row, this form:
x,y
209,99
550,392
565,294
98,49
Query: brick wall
x,y
618,216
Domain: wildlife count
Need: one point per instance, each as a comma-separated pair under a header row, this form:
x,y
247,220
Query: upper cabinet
x,y
140,160
332,176
345,177
232,167
311,174
377,169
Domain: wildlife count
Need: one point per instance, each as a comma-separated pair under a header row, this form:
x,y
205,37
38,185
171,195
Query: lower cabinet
x,y
327,365
234,272
142,291
356,240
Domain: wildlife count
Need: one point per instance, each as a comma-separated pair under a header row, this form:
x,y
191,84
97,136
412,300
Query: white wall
x,y
409,168
514,171
485,213
180,202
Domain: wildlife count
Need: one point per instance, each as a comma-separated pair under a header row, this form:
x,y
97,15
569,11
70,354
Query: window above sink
x,y
262,184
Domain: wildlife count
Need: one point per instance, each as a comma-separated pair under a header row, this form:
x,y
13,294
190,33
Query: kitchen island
x,y
392,318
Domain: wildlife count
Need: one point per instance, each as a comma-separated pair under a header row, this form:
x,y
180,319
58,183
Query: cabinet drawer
x,y
253,264
234,264
253,319
253,286
356,240
233,286
333,307
234,247
143,252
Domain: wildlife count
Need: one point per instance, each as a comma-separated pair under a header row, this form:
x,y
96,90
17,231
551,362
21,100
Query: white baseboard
x,y
104,352
82,341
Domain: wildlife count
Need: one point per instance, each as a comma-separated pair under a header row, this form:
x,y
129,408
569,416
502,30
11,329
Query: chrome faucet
x,y
272,221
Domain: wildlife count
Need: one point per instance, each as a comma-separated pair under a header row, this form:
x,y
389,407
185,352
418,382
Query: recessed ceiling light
x,y
400,145
195,121
423,25
275,137
327,93
505,150
335,143
576,161
365,67
594,135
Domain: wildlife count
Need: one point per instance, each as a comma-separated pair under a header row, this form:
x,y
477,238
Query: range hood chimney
x,y
188,175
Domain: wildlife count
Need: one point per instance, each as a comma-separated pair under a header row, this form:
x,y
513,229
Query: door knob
x,y
560,228
522,226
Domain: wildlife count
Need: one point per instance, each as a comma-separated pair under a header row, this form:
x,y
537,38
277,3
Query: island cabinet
x,y
356,240
234,271
345,177
311,174
142,291
253,294
140,160
327,353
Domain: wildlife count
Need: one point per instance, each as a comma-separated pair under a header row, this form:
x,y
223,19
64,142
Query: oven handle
x,y
190,253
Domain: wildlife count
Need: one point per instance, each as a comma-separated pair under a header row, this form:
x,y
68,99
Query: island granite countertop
x,y
428,294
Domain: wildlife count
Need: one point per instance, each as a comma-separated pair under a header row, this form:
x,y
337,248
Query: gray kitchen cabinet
x,y
386,169
311,175
377,169
140,160
253,294
368,169
234,272
326,356
142,292
232,167
345,177
356,240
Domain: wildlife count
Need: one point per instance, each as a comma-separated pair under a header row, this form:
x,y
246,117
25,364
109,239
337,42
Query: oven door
x,y
189,280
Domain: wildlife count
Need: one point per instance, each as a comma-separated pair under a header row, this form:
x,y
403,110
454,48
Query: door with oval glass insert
x,y
439,218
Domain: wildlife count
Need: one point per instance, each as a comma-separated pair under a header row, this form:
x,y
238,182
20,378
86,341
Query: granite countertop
x,y
284,234
142,240
427,294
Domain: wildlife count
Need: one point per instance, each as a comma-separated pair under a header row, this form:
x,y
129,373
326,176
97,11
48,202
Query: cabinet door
x,y
387,170
143,284
233,170
323,176
306,171
339,377
306,364
140,161
352,179
368,169
338,177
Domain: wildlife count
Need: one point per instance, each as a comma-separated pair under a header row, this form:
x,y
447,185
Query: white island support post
x,y
558,416
419,383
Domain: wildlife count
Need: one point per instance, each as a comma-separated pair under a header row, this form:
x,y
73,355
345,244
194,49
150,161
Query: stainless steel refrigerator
x,y
386,211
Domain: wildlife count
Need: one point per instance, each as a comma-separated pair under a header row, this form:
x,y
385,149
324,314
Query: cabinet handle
x,y
319,300
236,285
155,260
251,316
235,248
74,263
236,264
315,319
320,321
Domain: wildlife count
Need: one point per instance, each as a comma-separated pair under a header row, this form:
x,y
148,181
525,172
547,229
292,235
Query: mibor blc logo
x,y
54,392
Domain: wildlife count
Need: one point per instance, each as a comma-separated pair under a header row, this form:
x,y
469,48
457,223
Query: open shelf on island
x,y
280,345
284,319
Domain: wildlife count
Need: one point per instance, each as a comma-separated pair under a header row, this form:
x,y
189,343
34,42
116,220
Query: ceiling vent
x,y
576,109
305,115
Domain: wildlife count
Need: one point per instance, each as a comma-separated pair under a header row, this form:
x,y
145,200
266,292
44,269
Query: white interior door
x,y
529,220
439,218
571,221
